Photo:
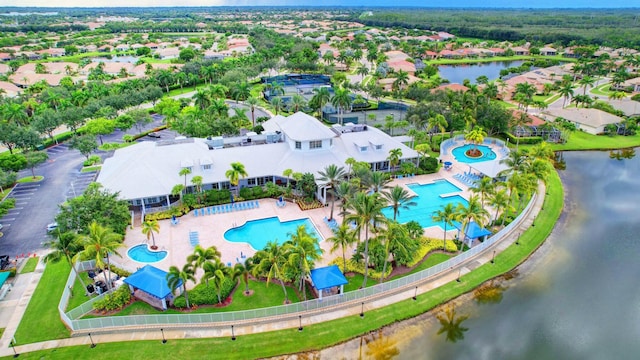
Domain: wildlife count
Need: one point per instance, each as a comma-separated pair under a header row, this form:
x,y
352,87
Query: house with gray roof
x,y
592,121
145,173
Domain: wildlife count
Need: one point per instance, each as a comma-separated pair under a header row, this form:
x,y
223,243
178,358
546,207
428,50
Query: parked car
x,y
154,135
52,226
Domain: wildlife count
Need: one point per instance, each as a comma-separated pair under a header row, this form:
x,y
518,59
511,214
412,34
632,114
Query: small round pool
x,y
142,254
460,153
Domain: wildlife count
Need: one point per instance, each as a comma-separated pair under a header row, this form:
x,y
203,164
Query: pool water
x,y
141,253
258,233
487,154
428,201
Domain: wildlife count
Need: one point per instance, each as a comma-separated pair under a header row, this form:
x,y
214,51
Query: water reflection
x,y
379,347
451,326
490,293
622,154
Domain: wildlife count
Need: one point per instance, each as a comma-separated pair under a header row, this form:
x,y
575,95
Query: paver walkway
x,y
248,328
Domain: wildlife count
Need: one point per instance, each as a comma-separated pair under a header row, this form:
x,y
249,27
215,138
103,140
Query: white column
x,y
320,291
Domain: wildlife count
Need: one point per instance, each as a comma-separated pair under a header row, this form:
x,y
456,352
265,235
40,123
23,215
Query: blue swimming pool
x,y
487,154
142,254
258,232
428,201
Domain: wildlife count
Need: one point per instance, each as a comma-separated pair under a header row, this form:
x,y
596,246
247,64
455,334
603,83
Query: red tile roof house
x,y
452,87
403,65
519,50
53,52
430,55
9,89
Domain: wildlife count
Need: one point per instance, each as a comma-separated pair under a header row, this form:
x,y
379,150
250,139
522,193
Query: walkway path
x,y
288,323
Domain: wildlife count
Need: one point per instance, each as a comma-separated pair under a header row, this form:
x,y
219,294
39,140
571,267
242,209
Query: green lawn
x,y
41,320
91,168
29,179
30,266
580,140
602,90
78,292
332,332
495,58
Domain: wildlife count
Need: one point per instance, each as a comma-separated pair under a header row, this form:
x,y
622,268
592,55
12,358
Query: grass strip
x,y
30,266
318,336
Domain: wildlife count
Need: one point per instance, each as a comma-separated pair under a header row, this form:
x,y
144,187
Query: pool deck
x,y
211,228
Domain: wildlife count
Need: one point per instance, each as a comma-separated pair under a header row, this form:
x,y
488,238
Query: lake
x,y
456,74
577,298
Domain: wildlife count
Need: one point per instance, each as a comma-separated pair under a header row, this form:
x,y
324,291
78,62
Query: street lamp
x,y
459,273
91,339
362,310
518,239
233,335
13,347
415,296
164,341
300,322
493,258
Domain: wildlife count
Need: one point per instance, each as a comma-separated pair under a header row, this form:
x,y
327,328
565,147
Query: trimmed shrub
x,y
429,165
203,295
114,301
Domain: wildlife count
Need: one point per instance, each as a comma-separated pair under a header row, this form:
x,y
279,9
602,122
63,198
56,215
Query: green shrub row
x,y
523,140
7,205
203,295
114,301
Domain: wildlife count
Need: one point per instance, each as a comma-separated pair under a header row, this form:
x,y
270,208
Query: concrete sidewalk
x,y
251,328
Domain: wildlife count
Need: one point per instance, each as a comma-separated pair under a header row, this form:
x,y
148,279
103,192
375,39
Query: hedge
x,y
523,140
203,295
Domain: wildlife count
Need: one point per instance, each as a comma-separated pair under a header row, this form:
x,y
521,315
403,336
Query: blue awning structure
x,y
3,277
474,230
327,277
151,280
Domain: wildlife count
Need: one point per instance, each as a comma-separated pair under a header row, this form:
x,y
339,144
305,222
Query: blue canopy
x,y
3,277
327,277
151,280
474,230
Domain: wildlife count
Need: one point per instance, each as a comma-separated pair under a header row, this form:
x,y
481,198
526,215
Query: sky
x,y
367,3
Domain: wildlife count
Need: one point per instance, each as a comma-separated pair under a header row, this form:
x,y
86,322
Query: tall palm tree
x,y
177,277
344,191
586,81
184,172
476,136
197,183
332,175
566,90
297,102
302,252
366,209
217,271
341,100
343,237
377,181
399,198
236,173
65,245
253,101
499,200
245,269
473,211
276,102
201,256
393,238
402,80
241,91
484,186
321,97
98,244
446,215
394,157
438,122
273,259
149,227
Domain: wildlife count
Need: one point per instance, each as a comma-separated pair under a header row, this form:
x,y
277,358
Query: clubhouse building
x,y
145,173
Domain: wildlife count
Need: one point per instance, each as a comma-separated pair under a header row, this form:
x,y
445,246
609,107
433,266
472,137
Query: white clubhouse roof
x,y
150,169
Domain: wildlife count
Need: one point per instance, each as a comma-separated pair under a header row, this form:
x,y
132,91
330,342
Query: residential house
x,y
592,121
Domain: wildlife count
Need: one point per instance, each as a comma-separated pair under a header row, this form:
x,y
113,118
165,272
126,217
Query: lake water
x,y
456,74
577,298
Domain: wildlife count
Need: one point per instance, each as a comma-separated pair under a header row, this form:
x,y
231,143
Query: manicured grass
x,y
91,168
319,336
355,282
30,266
30,179
496,58
41,320
78,294
602,90
580,140
263,296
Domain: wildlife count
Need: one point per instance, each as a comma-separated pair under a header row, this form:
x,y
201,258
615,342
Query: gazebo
x,y
149,284
326,278
473,231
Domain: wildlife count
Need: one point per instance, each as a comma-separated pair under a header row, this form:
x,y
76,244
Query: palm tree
x,y
177,277
197,183
65,245
276,102
287,173
272,262
177,190
438,122
446,215
245,269
343,237
473,211
476,136
367,209
343,192
201,256
184,172
484,186
341,100
253,101
217,271
148,228
402,80
297,102
236,173
586,81
218,91
499,200
98,244
302,252
393,240
566,91
321,97
241,91
399,198
394,157
377,181
332,175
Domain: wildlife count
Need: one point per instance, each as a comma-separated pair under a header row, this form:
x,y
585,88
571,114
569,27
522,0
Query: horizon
x,y
369,4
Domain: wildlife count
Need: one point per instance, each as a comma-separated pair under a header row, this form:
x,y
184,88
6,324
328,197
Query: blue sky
x,y
368,3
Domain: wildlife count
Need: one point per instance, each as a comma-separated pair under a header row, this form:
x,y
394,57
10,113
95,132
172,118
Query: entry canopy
x,y
151,280
327,277
474,230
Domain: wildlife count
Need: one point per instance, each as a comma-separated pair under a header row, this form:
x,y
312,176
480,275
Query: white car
x,y
52,226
